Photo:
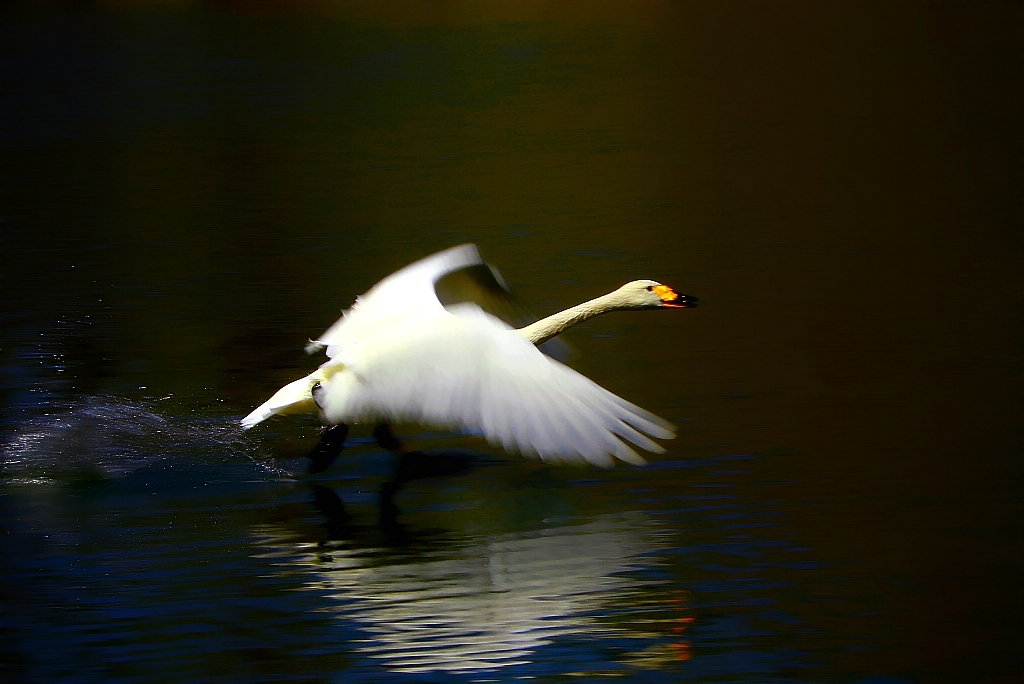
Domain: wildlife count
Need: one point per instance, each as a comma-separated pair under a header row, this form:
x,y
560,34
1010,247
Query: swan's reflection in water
x,y
489,603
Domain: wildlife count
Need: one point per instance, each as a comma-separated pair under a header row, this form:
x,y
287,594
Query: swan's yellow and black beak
x,y
671,299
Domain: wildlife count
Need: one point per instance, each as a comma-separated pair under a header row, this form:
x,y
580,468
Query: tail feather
x,y
294,397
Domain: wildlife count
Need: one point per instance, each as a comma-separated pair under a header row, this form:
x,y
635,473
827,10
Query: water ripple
x,y
489,605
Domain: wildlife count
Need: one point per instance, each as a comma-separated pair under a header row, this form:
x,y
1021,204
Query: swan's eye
x,y
650,287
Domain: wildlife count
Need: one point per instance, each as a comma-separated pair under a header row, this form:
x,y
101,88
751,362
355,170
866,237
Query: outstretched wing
x,y
406,291
457,275
468,370
482,285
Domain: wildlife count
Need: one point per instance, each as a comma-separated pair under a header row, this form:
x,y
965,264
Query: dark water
x,y
190,192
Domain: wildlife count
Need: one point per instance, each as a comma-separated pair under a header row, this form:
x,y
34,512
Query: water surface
x,y
188,193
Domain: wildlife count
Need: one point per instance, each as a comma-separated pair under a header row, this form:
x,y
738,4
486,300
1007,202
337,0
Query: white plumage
x,y
399,354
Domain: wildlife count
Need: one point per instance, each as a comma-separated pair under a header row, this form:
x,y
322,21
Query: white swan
x,y
409,350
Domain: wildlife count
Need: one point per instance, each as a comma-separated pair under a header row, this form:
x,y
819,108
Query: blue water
x,y
189,193
180,555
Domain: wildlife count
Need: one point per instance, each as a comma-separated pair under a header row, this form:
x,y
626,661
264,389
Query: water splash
x,y
109,437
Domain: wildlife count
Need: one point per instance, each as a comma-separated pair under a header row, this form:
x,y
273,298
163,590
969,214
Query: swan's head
x,y
650,294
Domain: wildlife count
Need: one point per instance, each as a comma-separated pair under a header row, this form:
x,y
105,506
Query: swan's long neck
x,y
555,324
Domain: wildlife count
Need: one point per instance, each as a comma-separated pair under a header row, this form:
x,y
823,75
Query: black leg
x,y
387,440
328,448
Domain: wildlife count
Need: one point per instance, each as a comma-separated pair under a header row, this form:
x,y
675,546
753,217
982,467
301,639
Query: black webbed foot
x,y
328,449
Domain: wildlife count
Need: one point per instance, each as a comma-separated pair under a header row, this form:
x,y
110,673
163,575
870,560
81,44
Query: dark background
x,y
190,190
